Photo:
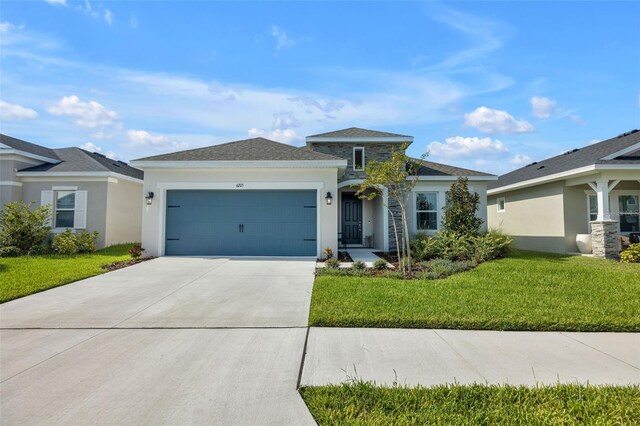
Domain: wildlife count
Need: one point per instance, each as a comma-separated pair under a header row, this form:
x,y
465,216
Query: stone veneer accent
x,y
604,239
372,151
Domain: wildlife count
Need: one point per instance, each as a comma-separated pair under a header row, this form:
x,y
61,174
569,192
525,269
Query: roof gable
x,y
577,158
357,132
255,149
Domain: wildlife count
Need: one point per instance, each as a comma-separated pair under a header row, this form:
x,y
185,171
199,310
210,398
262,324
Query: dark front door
x,y
351,219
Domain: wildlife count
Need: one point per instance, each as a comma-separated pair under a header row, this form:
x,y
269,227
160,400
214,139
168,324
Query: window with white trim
x,y
629,213
358,158
64,209
426,211
501,204
593,207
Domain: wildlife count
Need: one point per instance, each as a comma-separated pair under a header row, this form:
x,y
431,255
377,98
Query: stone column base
x,y
604,239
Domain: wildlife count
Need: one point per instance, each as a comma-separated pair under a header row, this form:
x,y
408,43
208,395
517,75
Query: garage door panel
x,y
237,223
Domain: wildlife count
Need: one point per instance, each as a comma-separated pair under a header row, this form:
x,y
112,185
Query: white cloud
x,y
91,147
542,107
101,135
284,120
6,26
578,120
144,139
17,112
133,21
57,2
108,16
278,135
459,146
520,159
282,39
491,121
87,114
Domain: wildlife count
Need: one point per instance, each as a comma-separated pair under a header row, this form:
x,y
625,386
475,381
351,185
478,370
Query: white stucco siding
x,y
158,181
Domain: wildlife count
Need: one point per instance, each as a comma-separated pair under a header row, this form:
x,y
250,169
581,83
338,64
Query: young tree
x,y
399,178
460,211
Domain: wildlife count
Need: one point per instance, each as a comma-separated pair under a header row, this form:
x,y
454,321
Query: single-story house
x,y
86,190
259,197
594,190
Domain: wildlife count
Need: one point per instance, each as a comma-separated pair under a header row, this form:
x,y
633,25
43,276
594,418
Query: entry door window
x,y
629,213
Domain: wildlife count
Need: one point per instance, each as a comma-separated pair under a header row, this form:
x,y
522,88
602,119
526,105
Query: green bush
x,y
456,247
396,275
87,241
39,250
359,265
442,268
10,251
631,254
491,245
22,227
65,243
380,264
332,263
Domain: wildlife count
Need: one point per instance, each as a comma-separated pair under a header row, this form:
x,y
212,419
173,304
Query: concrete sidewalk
x,y
431,357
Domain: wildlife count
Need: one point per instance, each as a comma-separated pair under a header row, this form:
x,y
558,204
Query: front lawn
x,y
363,403
21,276
527,291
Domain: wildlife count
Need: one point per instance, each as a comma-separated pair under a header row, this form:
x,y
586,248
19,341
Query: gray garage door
x,y
241,223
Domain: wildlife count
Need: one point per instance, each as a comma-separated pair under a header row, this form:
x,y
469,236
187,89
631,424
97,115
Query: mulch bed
x,y
124,263
343,256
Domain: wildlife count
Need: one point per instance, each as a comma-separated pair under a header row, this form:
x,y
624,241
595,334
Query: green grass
x,y
365,404
527,291
21,276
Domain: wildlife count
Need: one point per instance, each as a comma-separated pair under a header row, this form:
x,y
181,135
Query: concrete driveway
x,y
172,340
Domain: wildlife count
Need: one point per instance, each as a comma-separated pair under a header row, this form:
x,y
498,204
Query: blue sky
x,y
486,85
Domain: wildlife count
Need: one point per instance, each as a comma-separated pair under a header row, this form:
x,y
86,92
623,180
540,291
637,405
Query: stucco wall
x,y
10,188
576,218
157,180
533,217
124,212
96,200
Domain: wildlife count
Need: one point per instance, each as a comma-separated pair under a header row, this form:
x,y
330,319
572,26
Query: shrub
x,y
87,241
65,243
39,250
424,247
328,252
359,265
491,245
136,251
442,268
460,209
396,275
332,263
631,254
380,264
22,227
10,251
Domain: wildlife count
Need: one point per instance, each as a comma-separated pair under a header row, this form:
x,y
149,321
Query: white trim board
x,y
9,150
452,178
44,176
237,164
10,183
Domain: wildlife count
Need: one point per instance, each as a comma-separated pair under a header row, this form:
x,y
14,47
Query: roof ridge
x,y
90,155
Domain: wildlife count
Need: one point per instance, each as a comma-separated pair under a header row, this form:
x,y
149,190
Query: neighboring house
x,y
258,197
592,190
85,189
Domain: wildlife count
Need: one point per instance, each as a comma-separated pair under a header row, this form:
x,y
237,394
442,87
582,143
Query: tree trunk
x,y
395,233
405,236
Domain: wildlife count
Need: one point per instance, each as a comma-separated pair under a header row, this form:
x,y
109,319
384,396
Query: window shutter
x,y
80,214
46,199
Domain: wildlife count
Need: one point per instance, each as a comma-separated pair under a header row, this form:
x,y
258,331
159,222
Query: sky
x,y
490,86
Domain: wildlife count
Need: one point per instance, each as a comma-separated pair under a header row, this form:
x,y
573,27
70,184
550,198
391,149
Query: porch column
x,y
604,230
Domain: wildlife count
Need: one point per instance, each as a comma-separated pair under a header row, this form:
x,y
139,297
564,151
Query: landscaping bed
x,y
113,266
527,291
364,403
21,276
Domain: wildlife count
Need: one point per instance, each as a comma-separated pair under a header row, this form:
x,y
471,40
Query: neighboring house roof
x,y
28,147
429,168
574,159
256,149
78,160
357,132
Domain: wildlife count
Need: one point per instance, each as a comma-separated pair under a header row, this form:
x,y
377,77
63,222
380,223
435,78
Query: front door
x,y
351,219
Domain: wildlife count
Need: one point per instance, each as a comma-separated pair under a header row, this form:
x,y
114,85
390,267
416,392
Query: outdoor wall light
x,y
149,198
328,198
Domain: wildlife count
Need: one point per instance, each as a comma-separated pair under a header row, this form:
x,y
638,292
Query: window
x,y
593,207
65,205
426,211
501,204
629,213
358,159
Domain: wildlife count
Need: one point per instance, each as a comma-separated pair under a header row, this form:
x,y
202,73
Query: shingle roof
x,y
576,158
357,132
429,168
79,160
256,149
29,147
